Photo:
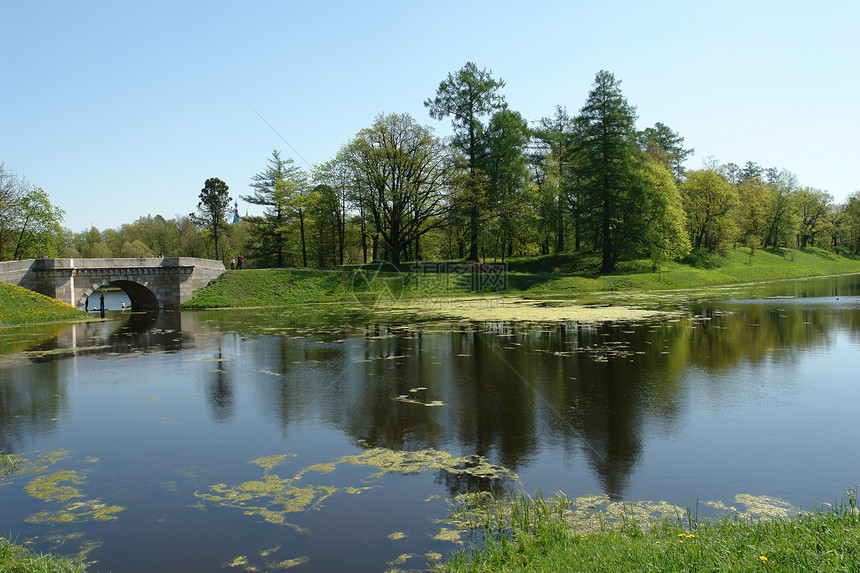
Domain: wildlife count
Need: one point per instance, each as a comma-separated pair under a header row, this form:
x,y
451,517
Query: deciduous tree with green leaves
x,y
659,215
12,188
781,218
813,207
710,202
39,226
406,172
213,210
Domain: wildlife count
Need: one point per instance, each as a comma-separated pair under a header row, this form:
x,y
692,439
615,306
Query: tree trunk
x,y
605,231
302,231
473,235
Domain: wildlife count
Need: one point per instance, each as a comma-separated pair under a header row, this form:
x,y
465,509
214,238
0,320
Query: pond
x,y
323,439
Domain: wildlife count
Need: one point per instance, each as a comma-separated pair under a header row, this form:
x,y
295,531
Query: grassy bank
x,y
531,536
535,276
21,306
17,559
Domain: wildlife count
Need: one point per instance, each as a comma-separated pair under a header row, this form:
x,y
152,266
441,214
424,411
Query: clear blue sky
x,y
123,109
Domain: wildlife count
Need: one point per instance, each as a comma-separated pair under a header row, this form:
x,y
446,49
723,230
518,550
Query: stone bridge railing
x,y
148,282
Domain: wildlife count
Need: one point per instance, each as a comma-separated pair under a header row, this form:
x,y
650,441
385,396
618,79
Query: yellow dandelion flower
x,y
762,558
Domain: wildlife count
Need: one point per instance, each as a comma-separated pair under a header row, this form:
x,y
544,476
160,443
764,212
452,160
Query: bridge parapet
x,y
149,282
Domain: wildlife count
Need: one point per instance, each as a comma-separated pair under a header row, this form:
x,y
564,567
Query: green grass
x,y
21,306
17,559
534,535
734,267
281,287
532,276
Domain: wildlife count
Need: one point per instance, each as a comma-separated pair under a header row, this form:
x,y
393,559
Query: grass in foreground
x,y
21,306
529,536
17,559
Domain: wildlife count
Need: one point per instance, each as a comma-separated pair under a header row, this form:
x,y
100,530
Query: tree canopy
x,y
213,209
406,174
590,184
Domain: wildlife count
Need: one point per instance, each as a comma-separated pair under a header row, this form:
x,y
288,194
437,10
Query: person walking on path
x,y
232,263
241,261
102,303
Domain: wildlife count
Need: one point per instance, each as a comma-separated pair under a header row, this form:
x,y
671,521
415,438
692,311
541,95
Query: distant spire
x,y
236,212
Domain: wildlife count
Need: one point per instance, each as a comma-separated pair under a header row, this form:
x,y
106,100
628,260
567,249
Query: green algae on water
x,y
405,462
60,487
85,510
273,498
48,488
757,507
242,561
14,465
270,462
583,515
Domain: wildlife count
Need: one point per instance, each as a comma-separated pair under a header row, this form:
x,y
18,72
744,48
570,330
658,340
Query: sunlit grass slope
x,y
538,276
21,306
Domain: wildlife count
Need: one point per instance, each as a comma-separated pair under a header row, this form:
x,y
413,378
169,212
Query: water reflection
x,y
178,402
219,390
504,390
508,390
33,381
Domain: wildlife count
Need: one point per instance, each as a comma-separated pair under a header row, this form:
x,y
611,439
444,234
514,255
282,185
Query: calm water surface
x,y
265,439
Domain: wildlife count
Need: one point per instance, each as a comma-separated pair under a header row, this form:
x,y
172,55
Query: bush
x,y
700,258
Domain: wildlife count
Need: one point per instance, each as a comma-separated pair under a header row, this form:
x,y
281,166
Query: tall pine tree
x,y
469,95
277,188
607,166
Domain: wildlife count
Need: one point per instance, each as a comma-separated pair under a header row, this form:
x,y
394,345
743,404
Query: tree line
x,y
497,187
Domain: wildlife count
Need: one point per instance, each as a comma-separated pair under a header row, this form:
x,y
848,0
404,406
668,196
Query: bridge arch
x,y
148,282
141,295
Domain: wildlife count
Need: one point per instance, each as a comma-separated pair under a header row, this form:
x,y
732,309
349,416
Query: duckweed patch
x,y
48,488
59,487
757,507
269,462
242,562
391,461
450,535
289,563
273,498
16,465
91,509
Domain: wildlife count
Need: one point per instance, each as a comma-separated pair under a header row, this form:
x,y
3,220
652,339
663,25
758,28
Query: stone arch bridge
x,y
150,283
